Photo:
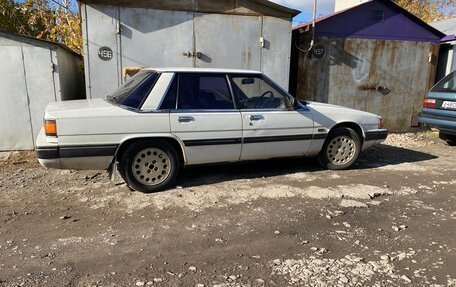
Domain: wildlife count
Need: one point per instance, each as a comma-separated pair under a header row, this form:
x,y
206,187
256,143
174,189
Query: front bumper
x,y
374,137
377,135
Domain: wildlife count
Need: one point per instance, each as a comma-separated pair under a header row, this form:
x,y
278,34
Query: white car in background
x,y
164,119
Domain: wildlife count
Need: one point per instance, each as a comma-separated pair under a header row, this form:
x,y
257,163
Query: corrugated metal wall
x,y
389,78
27,87
30,78
159,38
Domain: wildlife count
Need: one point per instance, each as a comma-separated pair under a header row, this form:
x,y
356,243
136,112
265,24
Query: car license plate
x,y
449,105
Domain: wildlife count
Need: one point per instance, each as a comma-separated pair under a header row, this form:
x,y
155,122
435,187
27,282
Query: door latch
x,y
256,117
193,54
186,119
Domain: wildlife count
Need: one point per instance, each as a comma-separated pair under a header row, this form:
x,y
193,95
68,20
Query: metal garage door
x,y
156,38
103,74
226,41
15,126
40,83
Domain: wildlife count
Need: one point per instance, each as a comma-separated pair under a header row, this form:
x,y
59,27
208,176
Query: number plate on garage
x,y
449,105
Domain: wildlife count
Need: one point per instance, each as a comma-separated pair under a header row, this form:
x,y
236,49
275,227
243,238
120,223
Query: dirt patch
x,y
388,221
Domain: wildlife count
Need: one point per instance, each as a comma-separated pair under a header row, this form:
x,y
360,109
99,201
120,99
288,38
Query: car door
x,y
271,126
205,118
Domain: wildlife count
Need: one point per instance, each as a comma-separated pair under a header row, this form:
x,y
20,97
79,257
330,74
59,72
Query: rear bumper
x,y
47,153
96,157
446,125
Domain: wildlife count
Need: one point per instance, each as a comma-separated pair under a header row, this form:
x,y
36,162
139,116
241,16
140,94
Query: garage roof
x,y
236,7
34,41
375,19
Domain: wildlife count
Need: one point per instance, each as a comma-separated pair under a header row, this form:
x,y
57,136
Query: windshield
x,y
133,93
447,84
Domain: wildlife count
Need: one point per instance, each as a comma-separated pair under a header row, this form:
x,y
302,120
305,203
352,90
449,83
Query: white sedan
x,y
163,119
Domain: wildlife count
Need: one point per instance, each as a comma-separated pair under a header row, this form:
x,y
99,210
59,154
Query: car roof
x,y
202,70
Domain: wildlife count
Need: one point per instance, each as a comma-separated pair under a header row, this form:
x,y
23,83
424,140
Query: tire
x,y
449,139
340,150
149,166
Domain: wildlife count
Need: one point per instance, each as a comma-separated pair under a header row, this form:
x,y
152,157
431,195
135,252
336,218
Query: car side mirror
x,y
294,103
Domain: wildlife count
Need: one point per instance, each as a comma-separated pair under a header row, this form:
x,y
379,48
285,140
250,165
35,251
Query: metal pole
x,y
313,30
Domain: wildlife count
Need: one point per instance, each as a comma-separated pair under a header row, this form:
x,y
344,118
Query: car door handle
x,y
186,119
256,117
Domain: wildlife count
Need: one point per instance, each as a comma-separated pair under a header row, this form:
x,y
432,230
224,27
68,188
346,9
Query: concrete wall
x,y
385,77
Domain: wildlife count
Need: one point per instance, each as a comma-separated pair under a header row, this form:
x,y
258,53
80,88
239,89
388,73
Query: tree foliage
x,y
55,20
429,10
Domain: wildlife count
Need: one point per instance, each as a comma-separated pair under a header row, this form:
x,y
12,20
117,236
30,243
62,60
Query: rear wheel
x,y
149,166
341,149
449,139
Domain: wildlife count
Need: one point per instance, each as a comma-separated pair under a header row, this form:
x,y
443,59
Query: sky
x,y
324,7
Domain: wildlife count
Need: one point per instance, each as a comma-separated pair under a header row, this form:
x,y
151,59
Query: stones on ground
x,y
199,285
156,280
406,278
384,257
350,270
140,283
64,217
276,232
399,228
375,202
4,156
352,203
192,268
346,224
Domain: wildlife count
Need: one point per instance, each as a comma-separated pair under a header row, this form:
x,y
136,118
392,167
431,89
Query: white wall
x,y
344,4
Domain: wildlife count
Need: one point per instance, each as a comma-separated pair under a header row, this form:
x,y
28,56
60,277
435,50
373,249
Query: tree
x,y
55,20
429,10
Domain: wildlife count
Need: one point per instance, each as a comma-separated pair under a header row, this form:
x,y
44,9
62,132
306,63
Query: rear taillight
x,y
50,128
429,103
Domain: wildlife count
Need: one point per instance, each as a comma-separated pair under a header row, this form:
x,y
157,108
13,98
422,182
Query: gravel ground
x,y
389,221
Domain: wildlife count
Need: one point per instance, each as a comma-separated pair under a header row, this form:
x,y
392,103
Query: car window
x,y
253,92
133,92
204,91
447,84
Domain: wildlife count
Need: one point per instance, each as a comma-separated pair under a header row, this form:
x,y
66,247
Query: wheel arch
x,y
352,125
173,141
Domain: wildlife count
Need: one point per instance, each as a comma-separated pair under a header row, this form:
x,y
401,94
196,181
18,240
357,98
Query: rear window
x,y
446,85
133,93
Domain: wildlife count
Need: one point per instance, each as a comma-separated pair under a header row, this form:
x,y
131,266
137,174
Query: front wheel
x,y
341,149
149,166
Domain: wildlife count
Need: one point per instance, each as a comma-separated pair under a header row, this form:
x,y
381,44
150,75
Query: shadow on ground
x,y
379,156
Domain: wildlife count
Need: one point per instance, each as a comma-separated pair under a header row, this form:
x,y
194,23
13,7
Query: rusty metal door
x,y
227,41
155,38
